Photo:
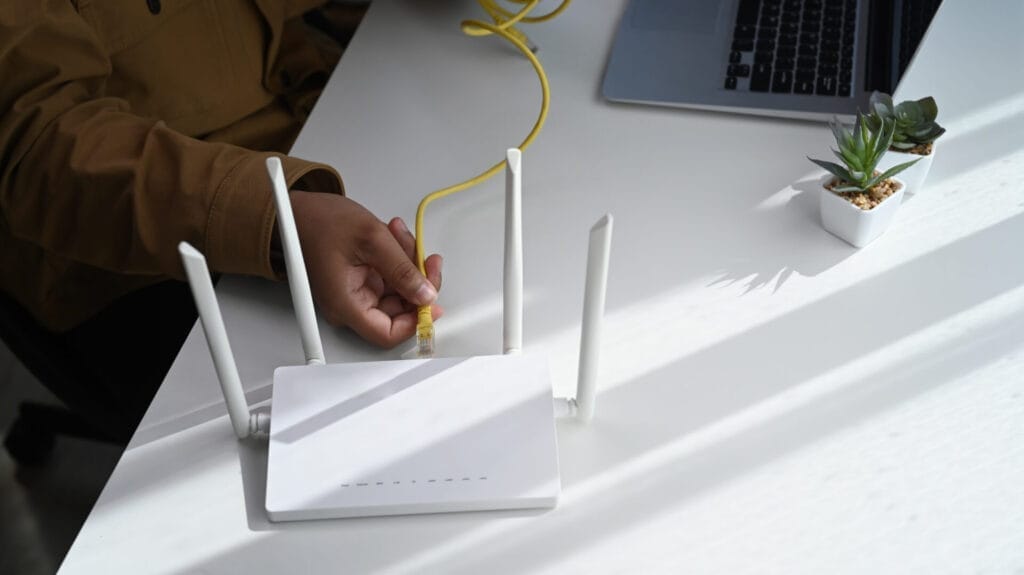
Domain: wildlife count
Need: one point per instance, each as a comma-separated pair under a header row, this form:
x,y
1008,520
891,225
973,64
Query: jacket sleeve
x,y
83,177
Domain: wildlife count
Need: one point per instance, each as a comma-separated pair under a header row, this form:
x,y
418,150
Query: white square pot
x,y
858,227
913,176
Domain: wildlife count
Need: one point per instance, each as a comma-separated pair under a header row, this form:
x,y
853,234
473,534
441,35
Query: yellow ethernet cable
x,y
504,22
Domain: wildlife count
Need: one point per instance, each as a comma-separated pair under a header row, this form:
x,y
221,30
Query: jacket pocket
x,y
175,62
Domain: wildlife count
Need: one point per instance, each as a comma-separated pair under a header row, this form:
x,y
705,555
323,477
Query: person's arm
x,y
83,177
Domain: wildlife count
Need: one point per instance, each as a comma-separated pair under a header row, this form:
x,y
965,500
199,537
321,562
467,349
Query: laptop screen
x,y
895,31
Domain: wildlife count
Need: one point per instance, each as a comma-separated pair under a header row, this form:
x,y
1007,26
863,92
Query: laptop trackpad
x,y
689,16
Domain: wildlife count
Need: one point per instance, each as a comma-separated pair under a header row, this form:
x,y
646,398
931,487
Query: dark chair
x,y
105,372
31,437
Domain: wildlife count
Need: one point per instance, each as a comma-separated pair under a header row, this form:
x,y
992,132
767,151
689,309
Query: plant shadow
x,y
800,245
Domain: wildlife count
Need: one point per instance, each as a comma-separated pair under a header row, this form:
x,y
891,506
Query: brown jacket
x,y
127,126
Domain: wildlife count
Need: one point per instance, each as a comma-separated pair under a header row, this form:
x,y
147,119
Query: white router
x,y
409,436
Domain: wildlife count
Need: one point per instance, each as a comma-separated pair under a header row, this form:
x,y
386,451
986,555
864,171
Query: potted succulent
x,y
857,201
913,138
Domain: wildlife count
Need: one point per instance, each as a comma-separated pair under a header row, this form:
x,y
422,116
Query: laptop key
x,y
787,39
730,83
803,87
761,79
809,50
735,57
739,70
743,45
844,90
805,76
744,31
747,13
766,45
784,63
826,86
782,81
785,52
764,57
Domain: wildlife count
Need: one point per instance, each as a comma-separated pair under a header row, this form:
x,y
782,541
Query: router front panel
x,y
415,436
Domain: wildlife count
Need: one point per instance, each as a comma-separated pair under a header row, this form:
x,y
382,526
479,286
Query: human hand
x,y
362,272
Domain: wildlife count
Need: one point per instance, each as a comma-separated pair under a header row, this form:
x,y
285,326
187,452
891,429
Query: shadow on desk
x,y
803,248
642,417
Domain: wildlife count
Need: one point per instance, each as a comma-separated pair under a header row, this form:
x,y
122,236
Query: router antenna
x,y
512,298
217,340
302,299
593,312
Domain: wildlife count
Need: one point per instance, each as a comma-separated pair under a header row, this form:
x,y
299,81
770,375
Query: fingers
x,y
383,321
434,264
404,236
393,305
376,283
385,254
407,240
378,326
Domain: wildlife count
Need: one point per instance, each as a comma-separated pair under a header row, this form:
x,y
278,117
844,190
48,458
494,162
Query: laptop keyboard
x,y
793,46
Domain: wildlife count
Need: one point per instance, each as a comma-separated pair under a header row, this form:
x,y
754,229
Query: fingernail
x,y
426,293
401,224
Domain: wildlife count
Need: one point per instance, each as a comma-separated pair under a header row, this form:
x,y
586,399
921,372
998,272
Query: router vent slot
x,y
434,480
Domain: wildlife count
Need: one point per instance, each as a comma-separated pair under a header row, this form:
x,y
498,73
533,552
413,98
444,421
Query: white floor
x,y
43,508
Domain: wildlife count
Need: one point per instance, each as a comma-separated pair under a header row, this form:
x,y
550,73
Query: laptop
x,y
808,59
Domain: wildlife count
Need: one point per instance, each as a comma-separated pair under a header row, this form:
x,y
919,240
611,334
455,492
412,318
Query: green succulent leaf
x,y
851,161
860,137
835,169
846,188
872,182
840,133
896,169
929,108
881,105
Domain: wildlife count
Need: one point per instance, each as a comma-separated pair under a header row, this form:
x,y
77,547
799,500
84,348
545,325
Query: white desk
x,y
772,400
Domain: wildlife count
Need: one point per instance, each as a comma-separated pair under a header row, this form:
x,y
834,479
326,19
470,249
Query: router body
x,y
411,436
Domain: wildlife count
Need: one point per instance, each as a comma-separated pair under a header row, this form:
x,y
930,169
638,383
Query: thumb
x,y
393,264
